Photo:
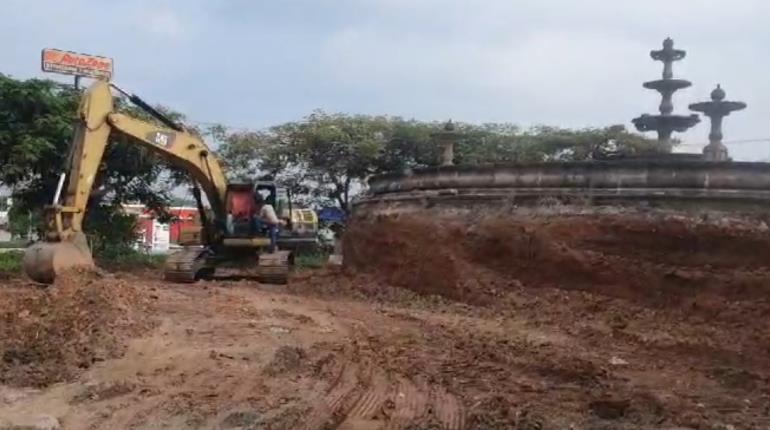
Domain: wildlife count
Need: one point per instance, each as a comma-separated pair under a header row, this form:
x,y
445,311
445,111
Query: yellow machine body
x,y
65,246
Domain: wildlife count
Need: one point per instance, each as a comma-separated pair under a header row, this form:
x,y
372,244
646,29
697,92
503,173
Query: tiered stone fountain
x,y
677,181
665,123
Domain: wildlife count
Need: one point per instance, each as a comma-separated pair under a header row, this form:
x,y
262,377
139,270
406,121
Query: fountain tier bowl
x,y
667,85
665,122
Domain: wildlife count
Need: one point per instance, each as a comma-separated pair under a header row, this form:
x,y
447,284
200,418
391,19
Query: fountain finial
x,y
718,94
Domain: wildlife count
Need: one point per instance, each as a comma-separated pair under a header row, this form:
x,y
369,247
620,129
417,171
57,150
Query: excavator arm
x,y
65,244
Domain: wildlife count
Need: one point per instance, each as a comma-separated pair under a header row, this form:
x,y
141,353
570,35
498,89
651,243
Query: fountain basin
x,y
723,107
678,184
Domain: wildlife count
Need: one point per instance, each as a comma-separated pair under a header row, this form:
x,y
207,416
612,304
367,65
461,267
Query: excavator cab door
x,y
240,211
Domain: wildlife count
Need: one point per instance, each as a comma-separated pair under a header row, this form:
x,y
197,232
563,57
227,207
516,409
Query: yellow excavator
x,y
227,232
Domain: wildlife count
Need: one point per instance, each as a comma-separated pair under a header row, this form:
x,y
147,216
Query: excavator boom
x,y
65,244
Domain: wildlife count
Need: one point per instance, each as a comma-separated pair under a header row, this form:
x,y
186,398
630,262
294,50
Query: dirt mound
x,y
415,253
657,259
51,334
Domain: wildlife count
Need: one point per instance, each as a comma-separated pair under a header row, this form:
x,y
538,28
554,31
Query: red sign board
x,y
72,63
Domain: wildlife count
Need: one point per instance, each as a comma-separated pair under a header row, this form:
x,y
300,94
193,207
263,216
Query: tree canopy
x,y
326,158
36,128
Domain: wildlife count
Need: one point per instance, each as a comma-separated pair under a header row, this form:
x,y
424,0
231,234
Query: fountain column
x,y
716,110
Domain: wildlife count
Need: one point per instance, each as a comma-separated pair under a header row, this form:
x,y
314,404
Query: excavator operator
x,y
265,218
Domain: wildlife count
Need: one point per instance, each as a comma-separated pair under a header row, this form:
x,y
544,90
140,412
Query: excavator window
x,y
268,191
241,208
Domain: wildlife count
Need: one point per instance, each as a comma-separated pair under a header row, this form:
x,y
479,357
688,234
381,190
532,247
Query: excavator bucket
x,y
43,261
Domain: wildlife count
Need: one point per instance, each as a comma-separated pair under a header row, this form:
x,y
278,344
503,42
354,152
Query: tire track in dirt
x,y
327,406
448,410
367,411
371,398
409,404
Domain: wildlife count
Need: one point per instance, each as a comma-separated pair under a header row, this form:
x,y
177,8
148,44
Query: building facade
x,y
158,237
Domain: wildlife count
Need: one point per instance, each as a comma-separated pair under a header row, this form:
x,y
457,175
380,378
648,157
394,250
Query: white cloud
x,y
556,62
560,62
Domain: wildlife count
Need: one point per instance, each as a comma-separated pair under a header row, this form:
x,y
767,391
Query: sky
x,y
252,64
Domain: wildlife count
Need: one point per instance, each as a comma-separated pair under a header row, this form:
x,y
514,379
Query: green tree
x,y
338,151
322,158
495,143
327,157
262,155
36,128
506,143
409,144
558,144
22,223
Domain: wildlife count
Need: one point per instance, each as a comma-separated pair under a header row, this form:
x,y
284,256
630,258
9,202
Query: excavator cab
x,y
239,240
243,238
297,233
241,209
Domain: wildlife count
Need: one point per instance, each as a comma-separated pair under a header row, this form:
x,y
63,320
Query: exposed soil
x,y
49,335
611,322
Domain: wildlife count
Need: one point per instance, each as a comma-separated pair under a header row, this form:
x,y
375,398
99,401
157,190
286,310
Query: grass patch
x,y
314,260
13,244
10,262
112,258
128,258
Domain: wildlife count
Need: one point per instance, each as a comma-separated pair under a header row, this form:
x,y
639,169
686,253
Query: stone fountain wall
x,y
677,184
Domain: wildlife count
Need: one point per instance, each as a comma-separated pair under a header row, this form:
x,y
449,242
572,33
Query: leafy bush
x,y
110,231
310,261
10,262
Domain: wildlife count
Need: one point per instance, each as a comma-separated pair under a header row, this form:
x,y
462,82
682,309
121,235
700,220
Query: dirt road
x,y
353,351
237,355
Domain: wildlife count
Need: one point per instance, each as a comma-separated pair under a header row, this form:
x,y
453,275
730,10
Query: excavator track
x,y
186,264
273,268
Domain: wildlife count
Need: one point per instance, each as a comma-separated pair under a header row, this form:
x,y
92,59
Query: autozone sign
x,y
72,63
